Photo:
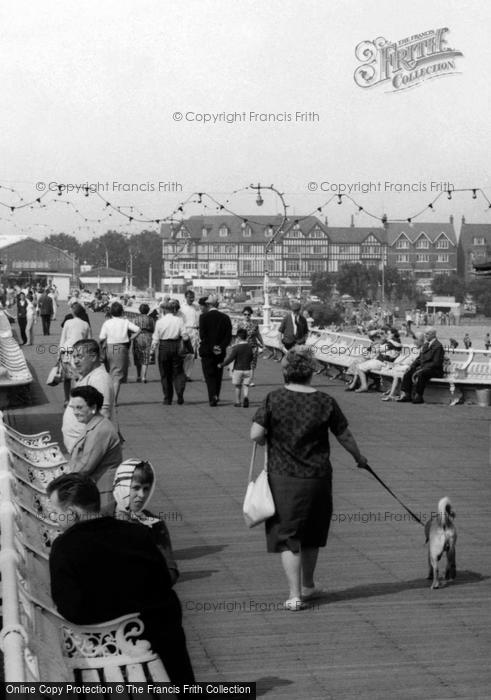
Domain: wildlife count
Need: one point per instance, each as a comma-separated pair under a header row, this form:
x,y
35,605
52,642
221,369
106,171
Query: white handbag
x,y
258,502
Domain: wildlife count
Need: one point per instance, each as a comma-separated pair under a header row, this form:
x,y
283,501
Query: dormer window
x,y
204,232
422,243
223,231
402,243
247,231
268,232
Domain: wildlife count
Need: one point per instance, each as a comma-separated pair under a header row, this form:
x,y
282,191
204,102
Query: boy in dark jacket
x,y
241,354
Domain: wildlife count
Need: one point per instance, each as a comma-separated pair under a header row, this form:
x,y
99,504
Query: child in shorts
x,y
241,354
134,483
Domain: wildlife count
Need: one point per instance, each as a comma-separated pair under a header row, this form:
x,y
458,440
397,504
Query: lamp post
x,y
382,291
269,245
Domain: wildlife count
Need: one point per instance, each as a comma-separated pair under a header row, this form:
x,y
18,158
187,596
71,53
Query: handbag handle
x,y
253,457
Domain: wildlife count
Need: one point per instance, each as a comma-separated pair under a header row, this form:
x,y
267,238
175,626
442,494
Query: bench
x,y
38,643
463,378
14,370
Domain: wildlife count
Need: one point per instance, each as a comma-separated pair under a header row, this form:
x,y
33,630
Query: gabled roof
x,y
259,224
413,231
469,231
354,234
9,239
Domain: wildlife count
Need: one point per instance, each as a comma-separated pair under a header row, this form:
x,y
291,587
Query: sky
x,y
90,93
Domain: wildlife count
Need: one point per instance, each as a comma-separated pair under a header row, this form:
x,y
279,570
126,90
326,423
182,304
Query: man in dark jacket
x,y
428,364
293,328
102,568
215,332
45,310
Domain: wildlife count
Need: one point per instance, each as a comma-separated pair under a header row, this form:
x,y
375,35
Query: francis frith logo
x,y
407,62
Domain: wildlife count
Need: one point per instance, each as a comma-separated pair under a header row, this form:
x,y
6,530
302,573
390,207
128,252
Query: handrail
x,y
13,636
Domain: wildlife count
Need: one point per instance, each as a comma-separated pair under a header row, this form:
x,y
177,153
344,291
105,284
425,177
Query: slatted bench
x,y
463,377
38,643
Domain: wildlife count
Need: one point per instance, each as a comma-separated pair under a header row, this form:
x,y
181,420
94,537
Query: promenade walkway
x,y
381,632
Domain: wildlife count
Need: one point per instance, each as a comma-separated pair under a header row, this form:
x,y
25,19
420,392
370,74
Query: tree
x,y
323,283
353,279
480,289
324,314
64,241
146,248
449,285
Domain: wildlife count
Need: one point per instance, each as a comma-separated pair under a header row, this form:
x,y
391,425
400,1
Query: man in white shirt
x,y
190,313
167,336
86,360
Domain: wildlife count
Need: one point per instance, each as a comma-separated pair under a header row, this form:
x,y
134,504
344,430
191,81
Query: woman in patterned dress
x,y
142,354
253,337
294,422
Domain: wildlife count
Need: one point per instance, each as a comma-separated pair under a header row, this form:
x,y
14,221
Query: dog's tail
x,y
445,511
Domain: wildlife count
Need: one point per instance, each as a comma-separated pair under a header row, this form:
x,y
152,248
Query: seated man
x,y
102,568
428,364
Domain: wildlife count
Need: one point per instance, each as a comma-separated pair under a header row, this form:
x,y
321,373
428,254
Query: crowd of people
x,y
114,556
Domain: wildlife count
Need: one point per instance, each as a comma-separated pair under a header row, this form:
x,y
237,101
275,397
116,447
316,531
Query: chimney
x,y
451,219
325,221
352,221
463,219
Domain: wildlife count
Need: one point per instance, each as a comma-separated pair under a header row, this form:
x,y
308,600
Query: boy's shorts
x,y
241,376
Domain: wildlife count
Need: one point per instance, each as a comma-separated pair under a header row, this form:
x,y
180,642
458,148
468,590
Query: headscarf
x,y
121,492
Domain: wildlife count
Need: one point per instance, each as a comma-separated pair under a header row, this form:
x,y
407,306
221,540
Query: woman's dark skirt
x,y
303,513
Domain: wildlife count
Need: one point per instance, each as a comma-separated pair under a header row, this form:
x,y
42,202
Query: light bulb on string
x,y
474,194
340,198
449,193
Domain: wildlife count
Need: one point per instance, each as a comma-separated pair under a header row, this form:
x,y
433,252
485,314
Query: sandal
x,y
294,604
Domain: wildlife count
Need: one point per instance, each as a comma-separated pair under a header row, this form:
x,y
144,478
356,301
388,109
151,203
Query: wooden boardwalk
x,y
381,632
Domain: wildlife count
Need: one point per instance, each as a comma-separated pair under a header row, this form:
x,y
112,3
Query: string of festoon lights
x,y
208,201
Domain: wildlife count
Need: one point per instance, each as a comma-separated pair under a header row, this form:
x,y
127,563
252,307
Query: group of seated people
x,y
113,561
412,368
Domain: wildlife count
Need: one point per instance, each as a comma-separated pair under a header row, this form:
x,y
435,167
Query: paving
x,y
380,632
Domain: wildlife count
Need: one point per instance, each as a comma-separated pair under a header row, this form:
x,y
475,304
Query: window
x,y
478,240
268,232
423,258
223,231
422,243
246,265
216,248
246,248
230,249
315,265
442,243
402,243
292,266
247,232
442,258
204,232
402,258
